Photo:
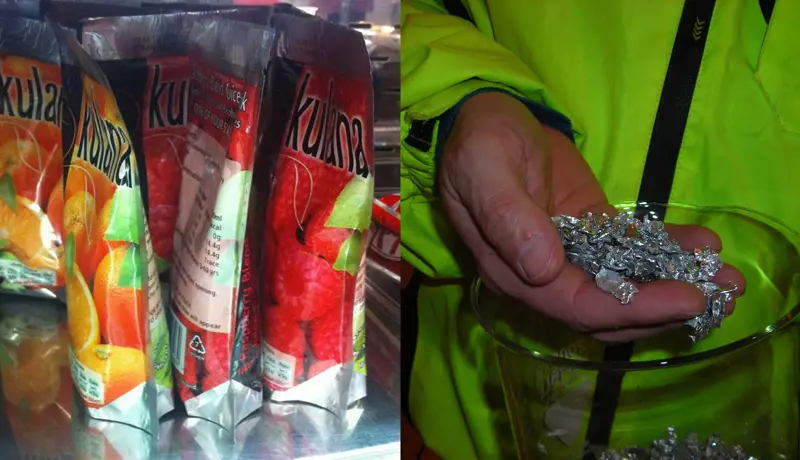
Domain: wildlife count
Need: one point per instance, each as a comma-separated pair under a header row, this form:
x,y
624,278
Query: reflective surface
x,y
43,423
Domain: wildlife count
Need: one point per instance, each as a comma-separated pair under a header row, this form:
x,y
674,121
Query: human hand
x,y
502,176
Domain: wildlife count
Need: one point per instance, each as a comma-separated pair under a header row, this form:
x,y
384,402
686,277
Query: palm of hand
x,y
502,177
573,186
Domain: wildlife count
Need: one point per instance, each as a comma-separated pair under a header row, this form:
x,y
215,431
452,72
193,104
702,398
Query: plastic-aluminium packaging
x,y
31,158
318,215
105,250
214,296
146,61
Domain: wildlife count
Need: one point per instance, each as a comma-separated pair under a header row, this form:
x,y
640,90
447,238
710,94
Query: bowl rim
x,y
784,322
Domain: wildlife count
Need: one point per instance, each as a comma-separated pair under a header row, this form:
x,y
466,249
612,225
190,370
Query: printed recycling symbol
x,y
197,345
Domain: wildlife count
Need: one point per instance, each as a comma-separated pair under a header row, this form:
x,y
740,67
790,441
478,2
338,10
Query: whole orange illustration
x,y
118,284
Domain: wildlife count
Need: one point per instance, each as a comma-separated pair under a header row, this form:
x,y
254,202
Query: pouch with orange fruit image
x,y
31,156
111,297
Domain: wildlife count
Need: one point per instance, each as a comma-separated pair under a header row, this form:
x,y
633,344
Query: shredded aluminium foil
x,y
623,250
672,448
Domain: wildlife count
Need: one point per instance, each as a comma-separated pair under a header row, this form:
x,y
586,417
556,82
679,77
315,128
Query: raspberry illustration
x,y
323,241
303,187
304,286
164,159
331,336
162,228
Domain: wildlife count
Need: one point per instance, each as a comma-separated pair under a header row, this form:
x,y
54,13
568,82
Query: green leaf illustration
x,y
353,207
8,192
132,270
126,220
69,253
350,253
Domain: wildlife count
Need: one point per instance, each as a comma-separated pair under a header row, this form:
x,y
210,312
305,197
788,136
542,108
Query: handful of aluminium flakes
x,y
690,448
619,250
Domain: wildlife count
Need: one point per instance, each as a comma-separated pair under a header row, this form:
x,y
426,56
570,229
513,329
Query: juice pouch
x,y
318,214
105,252
146,62
214,297
31,157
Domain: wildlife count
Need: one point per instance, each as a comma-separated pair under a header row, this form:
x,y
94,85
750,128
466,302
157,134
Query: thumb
x,y
514,225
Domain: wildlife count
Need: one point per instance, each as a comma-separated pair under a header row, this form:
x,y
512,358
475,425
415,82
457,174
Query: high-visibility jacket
x,y
696,102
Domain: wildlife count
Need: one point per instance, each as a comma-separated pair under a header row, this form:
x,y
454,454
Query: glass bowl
x,y
568,396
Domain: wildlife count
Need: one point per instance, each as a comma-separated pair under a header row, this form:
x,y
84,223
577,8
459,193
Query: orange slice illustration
x,y
84,327
27,234
82,177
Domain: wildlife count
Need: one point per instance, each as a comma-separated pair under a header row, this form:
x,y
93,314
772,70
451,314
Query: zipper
x,y
656,184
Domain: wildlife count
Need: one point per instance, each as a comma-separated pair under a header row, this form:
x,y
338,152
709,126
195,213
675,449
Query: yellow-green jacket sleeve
x,y
443,60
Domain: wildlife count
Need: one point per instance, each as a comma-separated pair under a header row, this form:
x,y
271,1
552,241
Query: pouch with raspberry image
x,y
303,285
215,274
318,213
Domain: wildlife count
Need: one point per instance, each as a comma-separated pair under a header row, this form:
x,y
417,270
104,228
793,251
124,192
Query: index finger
x,y
693,237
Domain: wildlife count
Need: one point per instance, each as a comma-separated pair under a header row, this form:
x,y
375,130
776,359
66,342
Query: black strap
x,y
420,135
766,8
656,185
673,108
456,8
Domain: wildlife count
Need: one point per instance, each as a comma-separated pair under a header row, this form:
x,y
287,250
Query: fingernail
x,y
536,259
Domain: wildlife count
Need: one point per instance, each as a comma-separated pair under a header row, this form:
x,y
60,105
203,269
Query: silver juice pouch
x,y
214,298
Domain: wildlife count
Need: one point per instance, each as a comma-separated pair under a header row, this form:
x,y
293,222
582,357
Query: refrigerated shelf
x,y
370,429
